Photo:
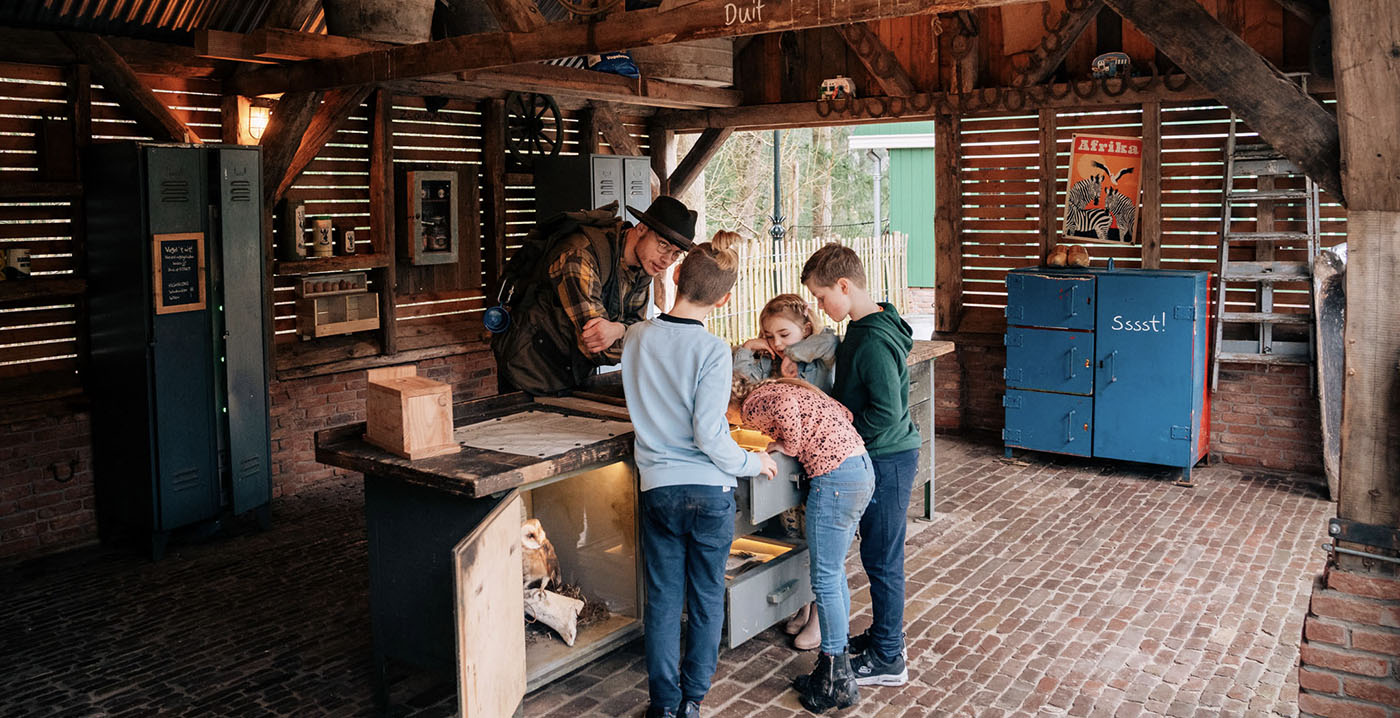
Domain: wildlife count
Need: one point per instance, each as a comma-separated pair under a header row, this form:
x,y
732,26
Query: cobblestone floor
x,y
1043,587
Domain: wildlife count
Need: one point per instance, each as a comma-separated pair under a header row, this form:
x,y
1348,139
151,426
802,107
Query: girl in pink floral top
x,y
807,424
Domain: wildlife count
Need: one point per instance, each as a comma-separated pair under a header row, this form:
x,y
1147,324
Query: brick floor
x,y
1043,586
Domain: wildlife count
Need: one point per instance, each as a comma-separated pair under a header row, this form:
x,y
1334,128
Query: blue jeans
x,y
882,533
686,535
835,503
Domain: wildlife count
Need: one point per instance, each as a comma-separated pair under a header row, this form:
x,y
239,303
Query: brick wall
x,y
921,300
1260,416
46,494
46,481
1350,655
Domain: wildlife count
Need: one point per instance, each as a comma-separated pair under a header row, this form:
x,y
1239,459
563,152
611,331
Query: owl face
x,y
532,534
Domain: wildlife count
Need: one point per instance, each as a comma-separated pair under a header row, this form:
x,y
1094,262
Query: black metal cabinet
x,y
178,343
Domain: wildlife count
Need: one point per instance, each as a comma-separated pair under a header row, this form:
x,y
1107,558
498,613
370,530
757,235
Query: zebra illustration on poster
x,y
1101,203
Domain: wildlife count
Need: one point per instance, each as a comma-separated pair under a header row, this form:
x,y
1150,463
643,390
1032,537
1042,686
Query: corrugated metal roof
x,y
167,20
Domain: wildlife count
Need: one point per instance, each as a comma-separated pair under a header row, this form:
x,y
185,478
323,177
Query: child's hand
x,y
767,466
779,447
788,368
758,346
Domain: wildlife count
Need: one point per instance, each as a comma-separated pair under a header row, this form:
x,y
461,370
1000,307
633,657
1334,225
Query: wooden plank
x,y
273,43
878,59
587,132
606,87
1293,122
120,81
662,141
493,172
947,227
637,28
220,45
585,406
695,160
381,213
1055,46
1048,227
1367,75
1150,218
610,126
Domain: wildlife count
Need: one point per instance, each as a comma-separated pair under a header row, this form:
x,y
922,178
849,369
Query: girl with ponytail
x,y
792,344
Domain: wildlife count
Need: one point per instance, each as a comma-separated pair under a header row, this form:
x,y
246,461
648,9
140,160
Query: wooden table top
x,y
476,473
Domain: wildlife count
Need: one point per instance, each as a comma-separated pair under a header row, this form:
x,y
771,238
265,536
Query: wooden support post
x,y
493,176
1150,218
1368,78
661,141
381,214
947,225
878,59
614,132
282,137
334,109
1053,48
230,119
695,160
1049,181
119,80
1284,116
80,112
587,133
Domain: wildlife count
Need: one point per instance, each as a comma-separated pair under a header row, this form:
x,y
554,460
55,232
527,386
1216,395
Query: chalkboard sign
x,y
178,261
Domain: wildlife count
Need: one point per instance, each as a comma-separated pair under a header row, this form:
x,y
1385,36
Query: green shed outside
x,y
910,178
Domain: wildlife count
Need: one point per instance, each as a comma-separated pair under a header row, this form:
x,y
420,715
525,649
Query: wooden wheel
x,y
533,125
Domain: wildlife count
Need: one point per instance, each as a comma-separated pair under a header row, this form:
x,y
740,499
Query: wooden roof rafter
x,y
878,59
699,20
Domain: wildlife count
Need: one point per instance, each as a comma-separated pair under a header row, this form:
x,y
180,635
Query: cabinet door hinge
x,y
1012,435
1010,374
1011,402
1181,432
1184,311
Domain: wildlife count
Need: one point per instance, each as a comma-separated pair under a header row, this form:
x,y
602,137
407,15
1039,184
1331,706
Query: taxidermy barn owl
x,y
541,565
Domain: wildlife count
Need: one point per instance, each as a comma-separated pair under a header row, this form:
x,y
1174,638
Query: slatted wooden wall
x,y
1000,178
39,337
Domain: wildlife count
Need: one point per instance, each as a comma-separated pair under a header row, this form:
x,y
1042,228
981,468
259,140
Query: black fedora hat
x,y
670,218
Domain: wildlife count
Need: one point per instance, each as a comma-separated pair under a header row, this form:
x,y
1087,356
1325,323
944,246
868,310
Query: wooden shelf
x,y
289,267
19,290
41,190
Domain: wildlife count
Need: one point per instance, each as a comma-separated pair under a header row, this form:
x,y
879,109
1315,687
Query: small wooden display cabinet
x,y
329,304
428,213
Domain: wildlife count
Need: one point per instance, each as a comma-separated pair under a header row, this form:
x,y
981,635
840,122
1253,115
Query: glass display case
x,y
429,214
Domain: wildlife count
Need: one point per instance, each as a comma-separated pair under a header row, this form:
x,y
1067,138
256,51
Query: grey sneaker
x,y
861,643
870,670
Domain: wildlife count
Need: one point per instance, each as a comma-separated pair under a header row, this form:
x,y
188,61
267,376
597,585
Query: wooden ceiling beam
x,y
517,15
282,138
1055,46
1296,125
695,160
120,81
603,86
44,47
620,31
878,59
334,109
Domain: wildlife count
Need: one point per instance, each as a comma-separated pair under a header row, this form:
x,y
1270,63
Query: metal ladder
x,y
1264,163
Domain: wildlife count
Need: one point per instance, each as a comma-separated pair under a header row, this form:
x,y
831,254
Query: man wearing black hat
x,y
589,287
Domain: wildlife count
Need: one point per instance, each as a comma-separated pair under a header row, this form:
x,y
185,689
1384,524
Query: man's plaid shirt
x,y
575,277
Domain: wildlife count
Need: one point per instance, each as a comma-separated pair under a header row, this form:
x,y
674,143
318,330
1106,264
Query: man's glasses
x,y
669,252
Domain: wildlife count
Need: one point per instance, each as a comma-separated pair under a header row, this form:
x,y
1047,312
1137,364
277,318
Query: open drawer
x,y
766,581
760,498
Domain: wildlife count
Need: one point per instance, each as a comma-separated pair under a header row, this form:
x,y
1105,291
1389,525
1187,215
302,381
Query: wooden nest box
x,y
409,415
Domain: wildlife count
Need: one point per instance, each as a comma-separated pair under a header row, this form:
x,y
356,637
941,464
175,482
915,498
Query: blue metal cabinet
x,y
1108,363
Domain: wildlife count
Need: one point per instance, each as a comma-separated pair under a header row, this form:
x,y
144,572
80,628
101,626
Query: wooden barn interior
x,y
342,121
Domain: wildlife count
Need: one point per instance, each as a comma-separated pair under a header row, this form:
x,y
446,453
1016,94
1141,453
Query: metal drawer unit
x,y
762,595
1108,363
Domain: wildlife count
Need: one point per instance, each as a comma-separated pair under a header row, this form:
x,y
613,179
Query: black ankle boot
x,y
830,685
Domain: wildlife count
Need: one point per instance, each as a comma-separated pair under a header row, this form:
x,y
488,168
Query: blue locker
x,y
1124,350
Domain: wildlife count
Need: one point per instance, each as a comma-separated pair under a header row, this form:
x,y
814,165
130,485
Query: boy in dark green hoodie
x,y
872,380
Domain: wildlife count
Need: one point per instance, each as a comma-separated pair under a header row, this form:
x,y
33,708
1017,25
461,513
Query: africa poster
x,y
1102,200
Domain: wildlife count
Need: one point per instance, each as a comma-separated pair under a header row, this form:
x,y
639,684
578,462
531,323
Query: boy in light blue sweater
x,y
676,376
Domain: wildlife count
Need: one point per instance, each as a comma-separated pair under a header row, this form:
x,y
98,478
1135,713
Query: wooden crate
x,y
409,415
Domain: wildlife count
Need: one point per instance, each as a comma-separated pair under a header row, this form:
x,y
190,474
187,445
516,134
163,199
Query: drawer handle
x,y
1069,424
1073,359
781,592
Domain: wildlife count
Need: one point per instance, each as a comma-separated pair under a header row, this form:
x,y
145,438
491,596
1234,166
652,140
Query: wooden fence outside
x,y
764,274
